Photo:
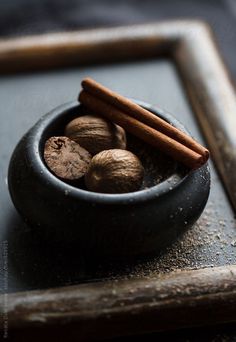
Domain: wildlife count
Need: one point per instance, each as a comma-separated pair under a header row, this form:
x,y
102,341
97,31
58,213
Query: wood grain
x,y
213,100
105,309
85,47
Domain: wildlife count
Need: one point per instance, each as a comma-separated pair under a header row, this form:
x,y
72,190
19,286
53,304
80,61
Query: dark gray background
x,y
25,98
21,17
32,264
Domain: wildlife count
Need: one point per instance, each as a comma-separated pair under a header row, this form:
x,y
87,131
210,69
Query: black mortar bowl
x,y
105,225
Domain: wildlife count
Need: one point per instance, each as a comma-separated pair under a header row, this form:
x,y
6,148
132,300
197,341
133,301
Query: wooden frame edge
x,y
178,299
212,96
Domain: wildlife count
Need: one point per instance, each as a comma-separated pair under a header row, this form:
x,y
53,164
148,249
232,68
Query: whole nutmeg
x,y
95,133
114,171
66,159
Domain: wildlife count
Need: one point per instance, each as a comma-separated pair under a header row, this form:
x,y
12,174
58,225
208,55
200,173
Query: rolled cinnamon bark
x,y
143,115
148,134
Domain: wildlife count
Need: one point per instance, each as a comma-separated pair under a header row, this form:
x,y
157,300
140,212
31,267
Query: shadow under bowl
x,y
106,225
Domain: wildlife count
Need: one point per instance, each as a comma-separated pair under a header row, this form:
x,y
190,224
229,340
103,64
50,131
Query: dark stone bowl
x,y
106,225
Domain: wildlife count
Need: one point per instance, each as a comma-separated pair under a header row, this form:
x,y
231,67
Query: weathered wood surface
x,y
213,99
93,46
183,298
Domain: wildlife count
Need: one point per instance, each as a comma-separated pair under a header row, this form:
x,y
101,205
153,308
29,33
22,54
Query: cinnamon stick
x,y
150,135
143,115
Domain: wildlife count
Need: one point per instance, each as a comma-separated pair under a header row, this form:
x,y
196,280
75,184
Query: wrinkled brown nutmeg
x,y
114,171
66,159
96,134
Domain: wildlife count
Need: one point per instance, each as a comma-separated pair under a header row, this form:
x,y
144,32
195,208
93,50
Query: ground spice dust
x,y
210,242
158,167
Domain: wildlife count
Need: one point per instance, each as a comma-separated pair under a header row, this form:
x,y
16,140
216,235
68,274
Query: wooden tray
x,y
194,281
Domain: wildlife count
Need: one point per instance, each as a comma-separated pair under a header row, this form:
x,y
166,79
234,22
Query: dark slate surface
x,y
24,98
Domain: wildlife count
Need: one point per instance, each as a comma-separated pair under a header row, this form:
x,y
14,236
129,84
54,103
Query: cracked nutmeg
x,y
66,159
96,134
114,171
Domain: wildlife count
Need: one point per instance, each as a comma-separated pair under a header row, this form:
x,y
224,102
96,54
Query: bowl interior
x,y
158,167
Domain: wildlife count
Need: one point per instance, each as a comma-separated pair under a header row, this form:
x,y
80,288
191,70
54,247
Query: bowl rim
x,y
140,196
